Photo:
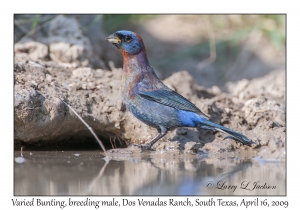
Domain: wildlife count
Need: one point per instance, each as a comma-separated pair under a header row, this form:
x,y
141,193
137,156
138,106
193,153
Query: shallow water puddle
x,y
89,173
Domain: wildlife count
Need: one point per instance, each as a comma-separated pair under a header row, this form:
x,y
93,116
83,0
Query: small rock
x,y
202,153
91,86
191,147
272,146
48,78
19,160
172,147
19,67
18,99
35,50
82,72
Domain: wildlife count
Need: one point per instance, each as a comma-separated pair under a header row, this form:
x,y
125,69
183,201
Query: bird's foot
x,y
144,146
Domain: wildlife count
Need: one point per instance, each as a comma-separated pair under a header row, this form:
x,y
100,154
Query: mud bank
x,y
255,108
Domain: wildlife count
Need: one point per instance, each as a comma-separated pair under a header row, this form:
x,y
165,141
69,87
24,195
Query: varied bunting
x,y
152,102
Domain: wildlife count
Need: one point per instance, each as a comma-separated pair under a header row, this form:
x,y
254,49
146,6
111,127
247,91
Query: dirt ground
x,y
64,66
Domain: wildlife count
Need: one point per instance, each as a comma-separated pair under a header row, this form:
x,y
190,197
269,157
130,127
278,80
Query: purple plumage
x,y
152,102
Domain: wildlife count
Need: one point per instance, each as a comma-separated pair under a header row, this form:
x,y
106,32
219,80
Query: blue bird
x,y
152,102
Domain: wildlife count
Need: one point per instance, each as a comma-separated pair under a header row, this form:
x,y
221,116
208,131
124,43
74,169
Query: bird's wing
x,y
170,98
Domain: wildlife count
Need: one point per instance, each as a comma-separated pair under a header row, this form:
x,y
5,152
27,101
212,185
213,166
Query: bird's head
x,y
127,41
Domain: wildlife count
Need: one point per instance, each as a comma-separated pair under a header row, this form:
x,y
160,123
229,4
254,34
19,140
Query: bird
x,y
151,101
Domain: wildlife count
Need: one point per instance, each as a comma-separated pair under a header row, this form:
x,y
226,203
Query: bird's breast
x,y
129,86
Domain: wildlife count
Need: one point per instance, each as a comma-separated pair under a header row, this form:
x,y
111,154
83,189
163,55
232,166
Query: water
x,y
89,173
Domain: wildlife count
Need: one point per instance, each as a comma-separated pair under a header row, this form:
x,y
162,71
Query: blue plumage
x,y
152,102
189,119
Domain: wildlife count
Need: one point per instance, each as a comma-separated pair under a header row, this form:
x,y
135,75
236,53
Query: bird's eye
x,y
128,38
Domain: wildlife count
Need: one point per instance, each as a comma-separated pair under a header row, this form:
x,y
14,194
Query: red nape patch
x,y
140,39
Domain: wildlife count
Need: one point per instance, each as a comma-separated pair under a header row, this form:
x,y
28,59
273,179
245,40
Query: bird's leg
x,y
148,145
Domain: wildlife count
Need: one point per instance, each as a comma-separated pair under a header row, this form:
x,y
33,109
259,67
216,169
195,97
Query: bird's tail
x,y
206,124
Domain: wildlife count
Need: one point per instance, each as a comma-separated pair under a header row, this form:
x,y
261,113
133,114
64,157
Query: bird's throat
x,y
136,63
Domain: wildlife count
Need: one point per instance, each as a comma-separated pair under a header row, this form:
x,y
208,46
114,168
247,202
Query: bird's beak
x,y
113,39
